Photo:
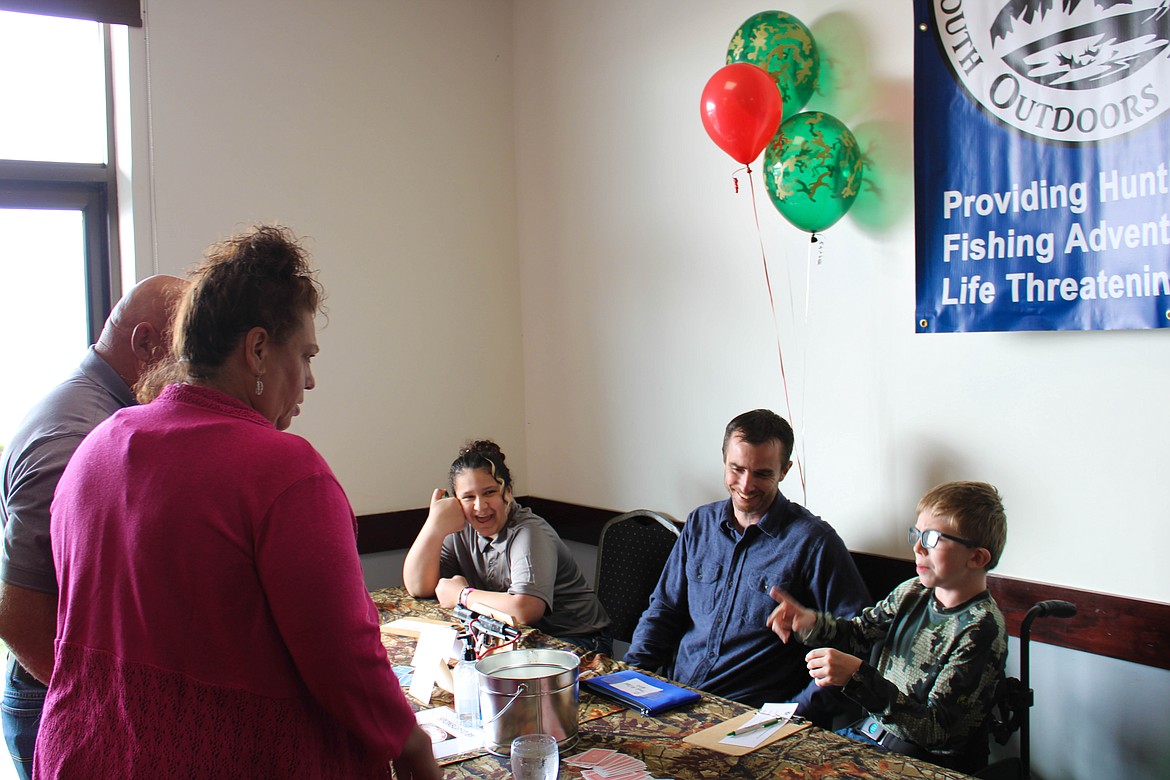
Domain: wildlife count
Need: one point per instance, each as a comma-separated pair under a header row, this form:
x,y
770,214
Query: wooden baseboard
x,y
389,530
1105,624
396,530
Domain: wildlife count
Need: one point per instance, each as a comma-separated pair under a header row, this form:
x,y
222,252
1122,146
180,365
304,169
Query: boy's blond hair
x,y
975,512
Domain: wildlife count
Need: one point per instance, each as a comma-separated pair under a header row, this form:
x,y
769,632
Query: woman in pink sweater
x,y
213,621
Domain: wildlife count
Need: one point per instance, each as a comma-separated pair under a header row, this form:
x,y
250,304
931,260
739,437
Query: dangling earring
x,y
259,386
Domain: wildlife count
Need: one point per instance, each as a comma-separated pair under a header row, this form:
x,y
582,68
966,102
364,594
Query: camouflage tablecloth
x,y
810,754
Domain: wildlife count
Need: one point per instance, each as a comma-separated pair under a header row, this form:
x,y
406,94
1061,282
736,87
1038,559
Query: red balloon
x,y
741,109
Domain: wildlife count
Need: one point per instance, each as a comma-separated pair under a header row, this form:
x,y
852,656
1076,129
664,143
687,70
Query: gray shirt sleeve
x,y
533,558
27,561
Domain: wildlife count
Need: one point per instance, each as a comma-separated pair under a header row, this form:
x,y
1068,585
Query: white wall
x,y
647,323
382,132
525,233
647,326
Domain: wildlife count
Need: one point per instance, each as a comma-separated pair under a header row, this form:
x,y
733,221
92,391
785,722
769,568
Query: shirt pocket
x,y
704,582
756,603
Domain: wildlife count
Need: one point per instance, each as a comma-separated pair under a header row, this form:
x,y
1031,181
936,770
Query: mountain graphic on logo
x,y
1083,45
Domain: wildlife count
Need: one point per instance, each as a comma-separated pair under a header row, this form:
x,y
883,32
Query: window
x,y
57,194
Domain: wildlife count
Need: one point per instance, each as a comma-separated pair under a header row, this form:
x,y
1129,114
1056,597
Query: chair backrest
x,y
631,554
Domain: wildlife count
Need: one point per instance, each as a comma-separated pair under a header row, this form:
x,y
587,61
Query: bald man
x,y
135,337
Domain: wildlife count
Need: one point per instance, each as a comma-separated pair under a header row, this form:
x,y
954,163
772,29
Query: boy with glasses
x,y
937,644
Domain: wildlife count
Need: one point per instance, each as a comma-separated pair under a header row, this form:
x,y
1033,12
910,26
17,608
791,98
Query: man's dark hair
x,y
761,426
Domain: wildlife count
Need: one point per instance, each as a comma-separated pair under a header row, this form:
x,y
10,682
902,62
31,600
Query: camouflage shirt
x,y
933,687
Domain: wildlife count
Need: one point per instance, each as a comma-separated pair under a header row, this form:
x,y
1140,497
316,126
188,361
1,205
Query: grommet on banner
x,y
922,323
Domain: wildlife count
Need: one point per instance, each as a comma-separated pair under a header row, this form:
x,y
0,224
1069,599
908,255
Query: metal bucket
x,y
528,692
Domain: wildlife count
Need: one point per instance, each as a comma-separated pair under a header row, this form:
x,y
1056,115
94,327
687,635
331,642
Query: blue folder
x,y
657,695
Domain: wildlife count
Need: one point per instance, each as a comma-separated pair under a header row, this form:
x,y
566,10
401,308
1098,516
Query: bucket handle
x,y
520,690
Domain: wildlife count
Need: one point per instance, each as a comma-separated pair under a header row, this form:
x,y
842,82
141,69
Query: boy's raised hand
x,y
790,615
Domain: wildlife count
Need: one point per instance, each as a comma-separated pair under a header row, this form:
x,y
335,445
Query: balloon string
x,y
799,325
813,241
735,179
776,324
818,243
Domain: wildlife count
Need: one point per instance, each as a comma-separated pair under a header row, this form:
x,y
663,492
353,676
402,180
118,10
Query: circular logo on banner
x,y
1071,71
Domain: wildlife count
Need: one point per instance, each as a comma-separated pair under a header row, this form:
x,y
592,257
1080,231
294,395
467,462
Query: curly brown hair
x,y
260,278
481,454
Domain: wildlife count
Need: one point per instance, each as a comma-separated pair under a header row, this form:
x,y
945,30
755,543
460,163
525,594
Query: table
x,y
810,754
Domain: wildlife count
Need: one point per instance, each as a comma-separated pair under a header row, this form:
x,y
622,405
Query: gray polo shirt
x,y
35,459
527,557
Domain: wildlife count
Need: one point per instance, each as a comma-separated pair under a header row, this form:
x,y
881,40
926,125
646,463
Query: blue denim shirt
x,y
712,602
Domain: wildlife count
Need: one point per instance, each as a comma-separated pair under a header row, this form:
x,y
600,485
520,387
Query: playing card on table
x,y
590,757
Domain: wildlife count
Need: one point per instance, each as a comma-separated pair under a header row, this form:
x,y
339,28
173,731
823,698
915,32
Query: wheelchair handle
x,y
1055,608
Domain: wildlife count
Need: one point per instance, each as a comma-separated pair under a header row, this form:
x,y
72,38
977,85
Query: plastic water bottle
x,y
467,688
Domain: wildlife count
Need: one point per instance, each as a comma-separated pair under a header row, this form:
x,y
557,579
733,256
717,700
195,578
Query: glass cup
x,y
535,757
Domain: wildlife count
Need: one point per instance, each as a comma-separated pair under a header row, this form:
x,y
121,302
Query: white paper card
x,y
784,709
636,687
433,648
448,735
770,711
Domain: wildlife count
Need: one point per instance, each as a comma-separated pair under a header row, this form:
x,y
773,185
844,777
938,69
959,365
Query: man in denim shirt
x,y
712,601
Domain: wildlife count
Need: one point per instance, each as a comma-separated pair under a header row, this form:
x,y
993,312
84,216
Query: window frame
x,y
92,189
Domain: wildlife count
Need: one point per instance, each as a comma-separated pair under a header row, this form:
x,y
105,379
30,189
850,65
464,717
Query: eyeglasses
x,y
931,536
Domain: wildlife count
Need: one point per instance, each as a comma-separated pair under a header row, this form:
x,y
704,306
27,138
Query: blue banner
x,y
1042,164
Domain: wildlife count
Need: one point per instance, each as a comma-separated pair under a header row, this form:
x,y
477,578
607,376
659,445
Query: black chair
x,y
1014,699
631,554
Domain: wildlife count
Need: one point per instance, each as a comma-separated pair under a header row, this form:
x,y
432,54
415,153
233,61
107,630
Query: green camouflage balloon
x,y
780,44
812,170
